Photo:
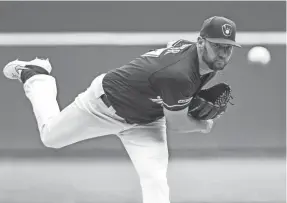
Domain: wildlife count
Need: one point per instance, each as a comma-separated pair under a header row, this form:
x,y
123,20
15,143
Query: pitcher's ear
x,y
200,40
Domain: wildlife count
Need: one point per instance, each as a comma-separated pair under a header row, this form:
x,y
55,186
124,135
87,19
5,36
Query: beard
x,y
215,64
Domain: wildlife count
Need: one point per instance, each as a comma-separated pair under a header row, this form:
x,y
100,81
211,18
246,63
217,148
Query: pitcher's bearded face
x,y
215,55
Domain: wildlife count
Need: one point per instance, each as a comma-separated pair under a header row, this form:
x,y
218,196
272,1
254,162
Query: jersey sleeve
x,y
175,91
168,55
178,43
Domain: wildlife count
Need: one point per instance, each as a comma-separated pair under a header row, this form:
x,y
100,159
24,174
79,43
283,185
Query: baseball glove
x,y
210,103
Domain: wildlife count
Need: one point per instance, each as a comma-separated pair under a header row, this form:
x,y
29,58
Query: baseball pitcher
x,y
160,91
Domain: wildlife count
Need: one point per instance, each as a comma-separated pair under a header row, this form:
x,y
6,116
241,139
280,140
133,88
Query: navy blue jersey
x,y
167,77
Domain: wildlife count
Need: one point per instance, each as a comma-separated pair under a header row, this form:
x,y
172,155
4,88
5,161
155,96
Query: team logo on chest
x,y
226,30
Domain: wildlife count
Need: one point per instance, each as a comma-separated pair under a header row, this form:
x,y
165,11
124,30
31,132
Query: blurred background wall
x,y
256,123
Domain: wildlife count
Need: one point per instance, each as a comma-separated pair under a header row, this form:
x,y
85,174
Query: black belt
x,y
104,98
106,101
130,121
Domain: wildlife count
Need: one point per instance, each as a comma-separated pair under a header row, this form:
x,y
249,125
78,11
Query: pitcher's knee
x,y
49,141
50,144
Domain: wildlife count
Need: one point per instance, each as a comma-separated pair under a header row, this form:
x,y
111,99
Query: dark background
x,y
138,16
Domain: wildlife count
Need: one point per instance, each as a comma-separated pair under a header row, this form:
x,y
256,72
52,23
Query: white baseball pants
x,y
88,117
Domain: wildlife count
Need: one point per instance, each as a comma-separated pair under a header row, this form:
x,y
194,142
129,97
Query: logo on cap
x,y
227,30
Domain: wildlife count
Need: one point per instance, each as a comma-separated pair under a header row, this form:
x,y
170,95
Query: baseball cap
x,y
218,29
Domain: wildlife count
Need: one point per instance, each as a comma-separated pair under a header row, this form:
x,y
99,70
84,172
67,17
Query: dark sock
x,y
33,70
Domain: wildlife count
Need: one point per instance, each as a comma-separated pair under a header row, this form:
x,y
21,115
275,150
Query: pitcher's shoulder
x,y
180,43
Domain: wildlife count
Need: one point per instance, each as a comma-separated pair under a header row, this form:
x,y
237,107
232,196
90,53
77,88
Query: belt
x,y
108,104
130,121
106,101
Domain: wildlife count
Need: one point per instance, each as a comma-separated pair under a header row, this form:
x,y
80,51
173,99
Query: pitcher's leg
x,y
57,128
147,148
41,90
75,122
